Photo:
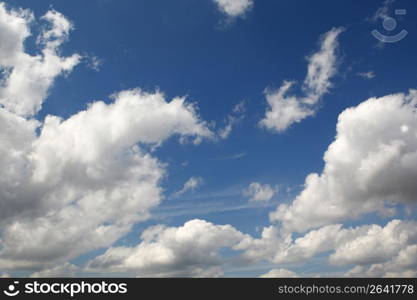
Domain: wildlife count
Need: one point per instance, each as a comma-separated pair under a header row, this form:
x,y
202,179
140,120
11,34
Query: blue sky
x,y
217,61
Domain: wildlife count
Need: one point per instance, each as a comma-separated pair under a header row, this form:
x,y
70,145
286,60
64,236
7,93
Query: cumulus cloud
x,y
283,109
402,265
388,249
89,168
191,250
278,246
257,192
190,185
377,244
279,273
369,167
69,186
234,8
273,240
61,271
29,77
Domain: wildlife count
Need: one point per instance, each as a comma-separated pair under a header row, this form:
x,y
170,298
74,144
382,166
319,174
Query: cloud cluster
x,y
234,8
376,244
389,249
191,250
71,186
370,166
283,109
404,264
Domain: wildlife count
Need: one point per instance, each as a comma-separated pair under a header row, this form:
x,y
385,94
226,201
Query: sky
x,y
210,138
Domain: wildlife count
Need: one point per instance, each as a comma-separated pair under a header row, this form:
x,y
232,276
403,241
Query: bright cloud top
x,y
234,8
28,78
283,109
191,250
371,165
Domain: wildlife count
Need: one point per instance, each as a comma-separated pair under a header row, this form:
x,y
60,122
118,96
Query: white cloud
x,y
257,192
278,246
307,246
61,271
377,244
234,8
14,29
80,183
367,75
28,78
370,166
284,110
57,33
390,249
272,241
69,186
191,250
279,273
402,265
322,66
238,113
190,185
134,117
86,182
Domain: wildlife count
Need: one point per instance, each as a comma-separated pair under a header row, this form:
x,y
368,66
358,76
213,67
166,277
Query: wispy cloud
x,y
205,208
283,109
190,185
237,114
366,75
231,157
